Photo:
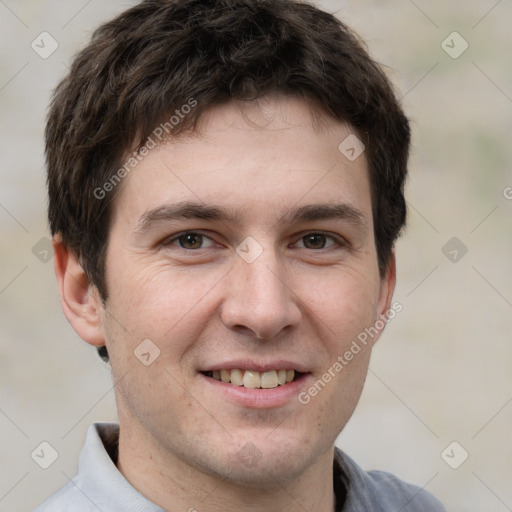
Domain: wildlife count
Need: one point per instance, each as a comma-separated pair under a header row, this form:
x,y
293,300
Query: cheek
x,y
344,302
152,395
340,315
165,304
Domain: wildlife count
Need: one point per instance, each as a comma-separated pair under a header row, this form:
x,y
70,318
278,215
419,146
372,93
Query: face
x,y
243,253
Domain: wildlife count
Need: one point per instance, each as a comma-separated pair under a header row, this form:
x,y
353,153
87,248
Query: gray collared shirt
x,y
100,487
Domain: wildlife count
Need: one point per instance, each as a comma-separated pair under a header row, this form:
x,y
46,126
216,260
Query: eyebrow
x,y
202,211
313,212
184,210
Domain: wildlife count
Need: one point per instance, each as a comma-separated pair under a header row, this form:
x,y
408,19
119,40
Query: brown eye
x,y
190,241
314,241
318,241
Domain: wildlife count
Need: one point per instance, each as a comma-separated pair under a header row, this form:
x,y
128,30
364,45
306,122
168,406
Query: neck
x,y
173,484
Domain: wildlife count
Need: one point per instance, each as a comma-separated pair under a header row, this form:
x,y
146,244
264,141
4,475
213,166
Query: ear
x,y
79,298
385,312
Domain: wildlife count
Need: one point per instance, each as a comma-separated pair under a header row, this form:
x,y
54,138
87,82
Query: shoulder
x,y
92,486
379,490
68,499
411,497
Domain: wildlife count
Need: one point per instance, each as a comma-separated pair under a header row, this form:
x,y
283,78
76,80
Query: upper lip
x,y
258,366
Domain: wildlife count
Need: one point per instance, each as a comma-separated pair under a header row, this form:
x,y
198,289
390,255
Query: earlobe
x,y
79,299
387,288
388,283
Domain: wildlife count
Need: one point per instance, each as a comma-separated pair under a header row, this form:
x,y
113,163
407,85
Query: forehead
x,y
255,158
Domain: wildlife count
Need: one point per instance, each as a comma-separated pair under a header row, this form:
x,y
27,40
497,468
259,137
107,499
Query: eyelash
x,y
337,241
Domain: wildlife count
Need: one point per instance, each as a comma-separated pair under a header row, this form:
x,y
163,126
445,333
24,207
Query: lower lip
x,y
258,398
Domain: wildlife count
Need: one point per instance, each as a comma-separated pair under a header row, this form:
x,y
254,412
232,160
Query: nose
x,y
259,301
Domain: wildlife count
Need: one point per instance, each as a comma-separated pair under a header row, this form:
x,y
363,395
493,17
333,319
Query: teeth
x,y
269,380
237,377
253,379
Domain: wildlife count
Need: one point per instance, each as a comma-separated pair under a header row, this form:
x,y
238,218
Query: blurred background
x,y
437,406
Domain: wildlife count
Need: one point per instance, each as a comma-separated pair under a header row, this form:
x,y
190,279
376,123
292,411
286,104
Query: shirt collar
x,y
99,478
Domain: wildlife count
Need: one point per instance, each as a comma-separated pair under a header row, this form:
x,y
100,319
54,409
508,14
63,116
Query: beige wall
x,y
442,371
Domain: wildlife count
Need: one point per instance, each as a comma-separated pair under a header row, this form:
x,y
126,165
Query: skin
x,y
298,301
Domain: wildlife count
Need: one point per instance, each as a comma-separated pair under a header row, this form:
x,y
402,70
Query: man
x,y
226,186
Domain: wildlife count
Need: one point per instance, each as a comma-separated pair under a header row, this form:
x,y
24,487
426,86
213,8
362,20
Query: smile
x,y
253,379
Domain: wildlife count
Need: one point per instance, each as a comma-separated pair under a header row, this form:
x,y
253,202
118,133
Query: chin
x,y
263,467
270,472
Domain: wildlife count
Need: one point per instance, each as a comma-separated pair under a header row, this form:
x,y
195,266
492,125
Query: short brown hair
x,y
151,60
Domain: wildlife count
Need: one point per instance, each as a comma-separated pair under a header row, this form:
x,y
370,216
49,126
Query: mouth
x,y
253,379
